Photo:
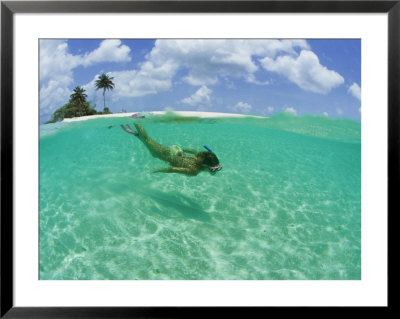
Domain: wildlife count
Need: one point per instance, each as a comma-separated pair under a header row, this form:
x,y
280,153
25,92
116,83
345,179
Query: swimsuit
x,y
175,150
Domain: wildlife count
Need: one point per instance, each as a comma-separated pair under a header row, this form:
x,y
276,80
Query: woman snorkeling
x,y
175,156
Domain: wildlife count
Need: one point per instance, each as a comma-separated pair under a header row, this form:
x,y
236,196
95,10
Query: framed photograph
x,y
161,156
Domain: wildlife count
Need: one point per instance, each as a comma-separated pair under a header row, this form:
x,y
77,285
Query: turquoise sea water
x,y
286,205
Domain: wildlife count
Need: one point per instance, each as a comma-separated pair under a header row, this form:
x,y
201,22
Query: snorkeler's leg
x,y
128,129
156,149
141,131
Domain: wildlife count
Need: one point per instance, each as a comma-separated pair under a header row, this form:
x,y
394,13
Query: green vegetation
x,y
78,106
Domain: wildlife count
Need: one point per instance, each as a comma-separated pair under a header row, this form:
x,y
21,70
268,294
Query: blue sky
x,y
251,76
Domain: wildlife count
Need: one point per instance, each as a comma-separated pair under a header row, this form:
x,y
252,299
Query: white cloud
x,y
339,111
241,107
200,62
108,51
355,90
252,79
55,60
290,110
201,98
270,109
305,71
325,114
206,61
149,79
54,94
203,80
57,64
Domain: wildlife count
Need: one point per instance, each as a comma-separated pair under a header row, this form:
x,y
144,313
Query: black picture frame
x,y
9,8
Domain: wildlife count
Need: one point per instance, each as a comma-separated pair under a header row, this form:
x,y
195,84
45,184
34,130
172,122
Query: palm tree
x,y
104,82
78,97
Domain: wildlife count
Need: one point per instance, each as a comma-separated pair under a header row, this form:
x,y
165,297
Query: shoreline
x,y
179,113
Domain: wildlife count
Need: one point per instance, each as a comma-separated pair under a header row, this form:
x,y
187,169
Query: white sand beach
x,y
179,113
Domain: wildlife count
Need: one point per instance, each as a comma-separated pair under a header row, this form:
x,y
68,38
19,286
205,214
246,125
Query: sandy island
x,y
179,113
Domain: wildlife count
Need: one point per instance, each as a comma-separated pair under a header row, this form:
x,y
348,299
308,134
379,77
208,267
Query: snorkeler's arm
x,y
191,151
182,170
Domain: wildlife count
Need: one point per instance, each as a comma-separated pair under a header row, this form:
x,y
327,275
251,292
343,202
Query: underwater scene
x,y
284,205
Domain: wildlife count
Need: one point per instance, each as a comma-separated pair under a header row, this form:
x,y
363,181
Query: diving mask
x,y
215,168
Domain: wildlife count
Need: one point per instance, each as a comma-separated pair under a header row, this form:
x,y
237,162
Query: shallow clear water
x,y
287,204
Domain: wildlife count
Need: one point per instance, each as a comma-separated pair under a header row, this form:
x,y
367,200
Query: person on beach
x,y
175,155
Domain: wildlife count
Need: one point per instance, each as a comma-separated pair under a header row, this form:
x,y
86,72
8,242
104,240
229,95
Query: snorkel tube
x,y
207,149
